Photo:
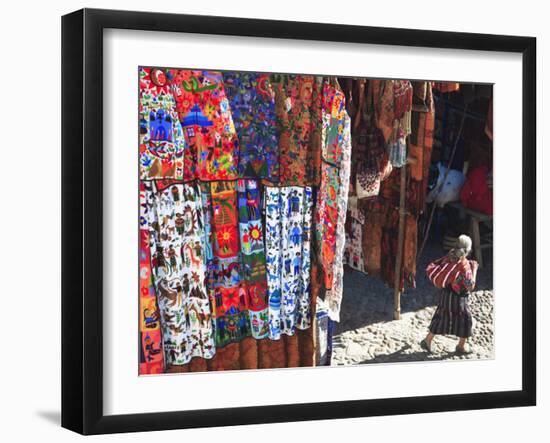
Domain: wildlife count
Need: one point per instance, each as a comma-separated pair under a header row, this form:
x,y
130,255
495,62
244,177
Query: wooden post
x,y
400,244
474,226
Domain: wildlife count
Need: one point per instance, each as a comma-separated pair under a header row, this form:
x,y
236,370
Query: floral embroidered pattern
x,y
252,103
228,290
334,295
331,208
298,107
333,131
205,117
253,255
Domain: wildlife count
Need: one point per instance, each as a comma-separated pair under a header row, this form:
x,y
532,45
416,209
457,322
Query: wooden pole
x,y
400,244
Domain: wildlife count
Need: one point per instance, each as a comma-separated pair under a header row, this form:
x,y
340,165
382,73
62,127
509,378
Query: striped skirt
x,y
452,316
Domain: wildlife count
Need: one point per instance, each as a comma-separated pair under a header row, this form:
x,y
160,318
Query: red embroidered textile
x,y
458,275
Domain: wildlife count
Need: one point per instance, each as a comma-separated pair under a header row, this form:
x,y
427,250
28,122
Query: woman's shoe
x,y
424,345
463,351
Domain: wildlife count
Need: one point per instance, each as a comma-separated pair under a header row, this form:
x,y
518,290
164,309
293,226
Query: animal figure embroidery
x,y
195,262
173,296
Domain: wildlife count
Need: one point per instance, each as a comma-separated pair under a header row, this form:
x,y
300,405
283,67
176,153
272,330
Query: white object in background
x,y
449,191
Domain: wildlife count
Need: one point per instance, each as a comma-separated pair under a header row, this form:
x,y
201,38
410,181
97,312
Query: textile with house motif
x,y
205,116
161,140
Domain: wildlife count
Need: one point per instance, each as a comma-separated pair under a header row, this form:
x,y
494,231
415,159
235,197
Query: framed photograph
x,y
269,221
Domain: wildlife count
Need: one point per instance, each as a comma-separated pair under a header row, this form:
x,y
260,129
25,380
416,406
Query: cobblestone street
x,y
367,332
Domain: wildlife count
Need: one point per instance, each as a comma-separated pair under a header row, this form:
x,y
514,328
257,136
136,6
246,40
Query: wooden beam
x,y
400,244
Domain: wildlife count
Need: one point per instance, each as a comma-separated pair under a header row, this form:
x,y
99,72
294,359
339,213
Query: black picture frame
x,y
82,220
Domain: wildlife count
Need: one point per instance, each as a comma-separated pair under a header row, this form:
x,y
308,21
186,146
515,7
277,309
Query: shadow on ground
x,y
368,300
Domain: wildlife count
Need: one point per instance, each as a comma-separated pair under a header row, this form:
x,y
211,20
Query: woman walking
x,y
455,275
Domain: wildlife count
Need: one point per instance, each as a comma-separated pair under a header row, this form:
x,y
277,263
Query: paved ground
x,y
367,332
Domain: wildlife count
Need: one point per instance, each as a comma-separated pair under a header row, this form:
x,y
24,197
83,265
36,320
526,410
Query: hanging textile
x,y
323,350
252,101
402,97
326,219
330,215
372,163
298,108
422,100
446,86
288,218
212,146
151,359
372,238
420,151
161,140
176,223
335,293
402,107
397,146
353,251
389,205
384,102
227,288
253,255
355,106
228,158
393,101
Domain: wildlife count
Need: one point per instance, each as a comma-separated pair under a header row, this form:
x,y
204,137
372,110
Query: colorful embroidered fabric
x,y
334,125
336,146
207,276
151,359
252,103
333,194
161,140
253,255
177,257
298,108
212,145
288,218
228,290
326,218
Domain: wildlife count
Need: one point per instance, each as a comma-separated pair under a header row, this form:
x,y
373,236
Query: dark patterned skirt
x,y
452,316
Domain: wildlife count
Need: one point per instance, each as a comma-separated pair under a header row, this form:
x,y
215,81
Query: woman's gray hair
x,y
463,247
